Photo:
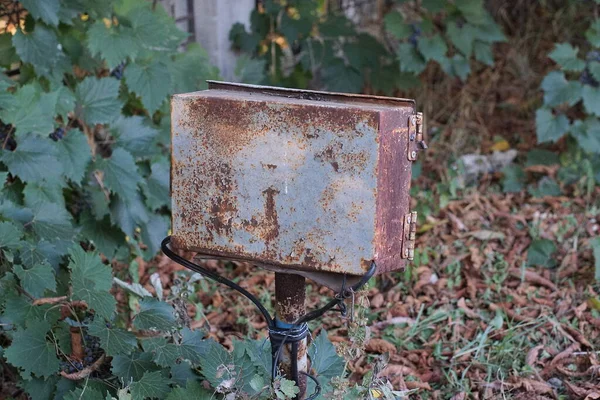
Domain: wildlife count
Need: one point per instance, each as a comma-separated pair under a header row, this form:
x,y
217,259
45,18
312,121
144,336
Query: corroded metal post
x,y
290,296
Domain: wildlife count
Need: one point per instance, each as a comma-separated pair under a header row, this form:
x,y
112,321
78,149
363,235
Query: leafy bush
x,y
571,106
299,44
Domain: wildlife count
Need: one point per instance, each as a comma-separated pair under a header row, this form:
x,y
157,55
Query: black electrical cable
x,y
279,335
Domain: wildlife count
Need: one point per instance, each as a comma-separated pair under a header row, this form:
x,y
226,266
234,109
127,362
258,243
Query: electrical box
x,y
294,180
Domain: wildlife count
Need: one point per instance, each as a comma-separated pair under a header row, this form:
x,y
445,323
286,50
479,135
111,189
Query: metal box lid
x,y
293,179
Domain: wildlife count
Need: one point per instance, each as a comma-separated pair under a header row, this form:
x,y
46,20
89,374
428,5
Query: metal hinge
x,y
416,141
410,234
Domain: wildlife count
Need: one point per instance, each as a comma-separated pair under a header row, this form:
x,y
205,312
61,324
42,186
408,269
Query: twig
x,y
84,373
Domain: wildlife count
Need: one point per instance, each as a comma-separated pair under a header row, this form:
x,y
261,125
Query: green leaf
x,y
324,358
10,235
152,385
513,179
163,353
250,70
34,160
217,366
434,6
540,253
151,81
135,135
35,193
595,243
432,48
114,44
193,347
19,311
114,341
338,77
154,231
550,127
182,373
565,55
39,48
40,389
97,100
541,157
593,33
483,53
30,111
156,187
129,216
154,315
410,60
86,393
591,99
46,10
594,68
52,222
472,10
557,90
587,134
394,24
191,69
36,280
193,390
461,66
8,55
91,281
105,237
132,367
74,155
545,187
462,37
120,174
31,352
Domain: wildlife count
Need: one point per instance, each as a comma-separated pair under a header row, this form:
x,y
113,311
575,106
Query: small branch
x,y
58,300
84,373
76,344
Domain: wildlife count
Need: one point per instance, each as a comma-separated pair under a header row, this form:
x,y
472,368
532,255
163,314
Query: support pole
x,y
290,296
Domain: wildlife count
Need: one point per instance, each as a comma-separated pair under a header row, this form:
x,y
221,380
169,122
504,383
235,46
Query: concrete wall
x,y
212,21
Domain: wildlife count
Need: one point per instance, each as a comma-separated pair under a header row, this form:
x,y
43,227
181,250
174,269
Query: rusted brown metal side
x,y
393,178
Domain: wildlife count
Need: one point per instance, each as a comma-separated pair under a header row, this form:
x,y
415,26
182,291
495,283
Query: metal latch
x,y
416,141
409,235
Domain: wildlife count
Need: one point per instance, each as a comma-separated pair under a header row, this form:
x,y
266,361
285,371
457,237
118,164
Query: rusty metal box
x,y
292,179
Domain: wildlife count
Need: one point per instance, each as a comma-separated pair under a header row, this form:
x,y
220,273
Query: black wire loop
x,y
280,333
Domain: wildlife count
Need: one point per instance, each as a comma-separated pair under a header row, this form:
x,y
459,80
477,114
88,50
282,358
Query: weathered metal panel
x,y
290,179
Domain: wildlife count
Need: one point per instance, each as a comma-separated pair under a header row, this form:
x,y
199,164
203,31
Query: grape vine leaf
x,y
120,174
129,215
152,385
31,352
34,160
163,353
30,111
39,48
182,372
114,43
132,367
10,235
557,90
114,341
156,186
105,237
193,390
462,37
395,24
154,314
86,393
591,99
432,48
91,281
545,187
74,155
287,389
8,55
513,179
565,55
550,127
410,59
540,253
587,134
483,53
36,280
154,231
46,10
97,100
52,222
461,66
472,10
149,80
193,347
19,311
217,366
35,193
135,135
40,389
339,77
191,69
324,359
